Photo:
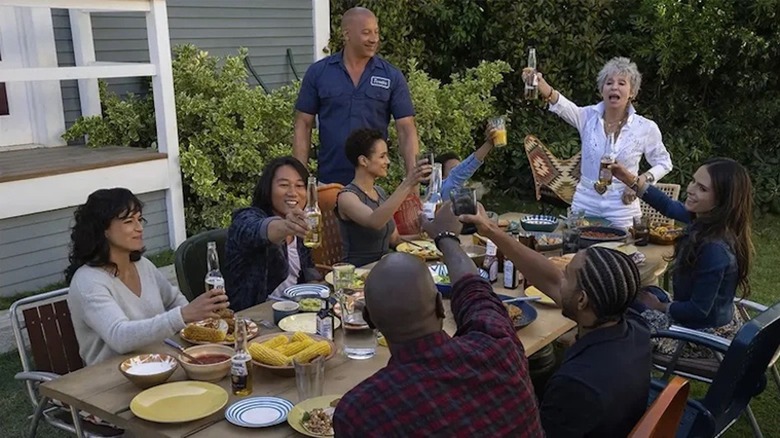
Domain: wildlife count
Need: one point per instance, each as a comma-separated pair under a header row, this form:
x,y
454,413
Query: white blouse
x,y
639,136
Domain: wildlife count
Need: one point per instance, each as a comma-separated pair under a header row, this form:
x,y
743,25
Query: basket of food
x,y
591,235
276,351
664,235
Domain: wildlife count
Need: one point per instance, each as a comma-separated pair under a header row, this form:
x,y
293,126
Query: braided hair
x,y
611,281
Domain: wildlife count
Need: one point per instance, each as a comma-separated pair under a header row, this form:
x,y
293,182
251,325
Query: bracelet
x,y
445,235
549,97
634,184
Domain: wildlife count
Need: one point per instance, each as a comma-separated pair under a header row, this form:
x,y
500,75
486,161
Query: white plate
x,y
625,249
304,322
304,290
258,411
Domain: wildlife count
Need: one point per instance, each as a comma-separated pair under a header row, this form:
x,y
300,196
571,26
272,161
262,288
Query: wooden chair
x,y
48,348
663,416
555,180
673,191
330,251
190,263
407,217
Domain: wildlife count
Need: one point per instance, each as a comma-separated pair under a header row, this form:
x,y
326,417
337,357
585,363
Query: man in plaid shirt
x,y
473,384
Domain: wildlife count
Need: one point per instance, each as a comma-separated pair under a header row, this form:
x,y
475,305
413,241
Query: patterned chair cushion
x,y
553,177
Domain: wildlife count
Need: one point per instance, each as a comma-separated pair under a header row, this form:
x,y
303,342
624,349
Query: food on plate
x,y
595,235
503,223
206,332
310,304
560,261
226,313
282,350
428,250
515,313
208,359
548,240
441,279
319,421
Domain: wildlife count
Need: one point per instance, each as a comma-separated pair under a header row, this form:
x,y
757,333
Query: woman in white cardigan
x,y
636,136
118,300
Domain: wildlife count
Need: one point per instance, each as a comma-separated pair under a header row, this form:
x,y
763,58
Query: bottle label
x,y
429,210
509,274
325,325
238,367
493,271
491,249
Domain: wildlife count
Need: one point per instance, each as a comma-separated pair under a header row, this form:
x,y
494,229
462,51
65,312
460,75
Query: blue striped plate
x,y
258,411
304,290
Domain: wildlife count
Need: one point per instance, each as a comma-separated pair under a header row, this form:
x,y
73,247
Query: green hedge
x,y
711,70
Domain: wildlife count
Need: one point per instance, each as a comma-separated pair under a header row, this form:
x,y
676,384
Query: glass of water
x,y
359,339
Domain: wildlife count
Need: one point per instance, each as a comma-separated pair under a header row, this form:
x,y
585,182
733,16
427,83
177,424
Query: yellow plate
x,y
179,402
304,322
360,278
532,291
295,417
429,253
620,246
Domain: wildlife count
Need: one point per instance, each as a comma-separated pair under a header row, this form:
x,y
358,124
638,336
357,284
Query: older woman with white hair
x,y
633,136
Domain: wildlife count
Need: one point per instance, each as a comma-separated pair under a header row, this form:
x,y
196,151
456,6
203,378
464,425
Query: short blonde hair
x,y
624,67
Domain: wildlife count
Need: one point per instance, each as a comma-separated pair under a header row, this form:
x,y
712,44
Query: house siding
x,y
266,28
34,248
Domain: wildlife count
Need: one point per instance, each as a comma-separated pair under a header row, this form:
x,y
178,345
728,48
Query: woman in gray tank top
x,y
364,210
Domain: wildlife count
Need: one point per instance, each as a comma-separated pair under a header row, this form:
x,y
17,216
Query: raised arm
x,y
253,228
541,272
656,198
563,107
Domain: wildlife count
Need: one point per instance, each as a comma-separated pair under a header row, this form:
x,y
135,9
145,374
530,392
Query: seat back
x,y
662,418
191,265
671,190
554,179
407,217
330,251
742,374
44,335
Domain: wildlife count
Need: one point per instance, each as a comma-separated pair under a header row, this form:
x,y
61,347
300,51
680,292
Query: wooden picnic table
x,y
102,390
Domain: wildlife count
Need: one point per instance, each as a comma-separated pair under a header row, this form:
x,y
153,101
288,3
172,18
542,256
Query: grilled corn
x,y
294,347
321,348
263,354
301,336
276,341
198,333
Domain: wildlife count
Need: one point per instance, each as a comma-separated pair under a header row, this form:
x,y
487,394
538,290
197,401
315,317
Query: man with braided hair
x,y
601,388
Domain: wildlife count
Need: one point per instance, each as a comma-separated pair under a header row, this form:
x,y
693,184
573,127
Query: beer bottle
x,y
241,363
313,237
214,279
433,198
532,84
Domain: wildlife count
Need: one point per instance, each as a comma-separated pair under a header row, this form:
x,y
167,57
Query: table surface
x,y
102,390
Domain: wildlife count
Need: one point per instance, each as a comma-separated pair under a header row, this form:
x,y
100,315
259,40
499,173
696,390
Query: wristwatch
x,y
649,178
445,235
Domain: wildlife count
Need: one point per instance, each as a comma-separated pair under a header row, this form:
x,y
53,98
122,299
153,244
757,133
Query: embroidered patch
x,y
378,81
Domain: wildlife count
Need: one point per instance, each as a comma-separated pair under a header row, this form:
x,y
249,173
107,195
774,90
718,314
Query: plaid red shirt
x,y
474,384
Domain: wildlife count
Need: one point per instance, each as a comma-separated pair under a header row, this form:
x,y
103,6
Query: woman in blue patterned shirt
x,y
264,251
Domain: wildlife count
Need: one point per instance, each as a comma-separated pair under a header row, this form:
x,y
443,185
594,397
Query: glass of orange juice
x,y
499,135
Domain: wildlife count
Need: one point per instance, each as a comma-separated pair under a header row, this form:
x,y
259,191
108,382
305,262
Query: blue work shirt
x,y
328,91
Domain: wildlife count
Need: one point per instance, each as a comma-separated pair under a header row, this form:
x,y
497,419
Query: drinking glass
x,y
641,231
309,378
425,155
343,276
571,240
499,136
464,200
359,339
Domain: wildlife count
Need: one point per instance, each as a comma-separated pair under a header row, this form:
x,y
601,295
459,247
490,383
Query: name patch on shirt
x,y
379,81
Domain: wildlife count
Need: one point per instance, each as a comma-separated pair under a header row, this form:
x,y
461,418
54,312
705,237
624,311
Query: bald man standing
x,y
473,384
349,90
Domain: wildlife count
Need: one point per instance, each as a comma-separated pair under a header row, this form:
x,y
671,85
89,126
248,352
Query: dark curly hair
x,y
88,243
361,142
262,194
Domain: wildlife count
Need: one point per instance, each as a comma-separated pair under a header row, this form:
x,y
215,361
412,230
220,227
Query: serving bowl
x,y
539,222
210,372
476,253
591,235
147,370
288,370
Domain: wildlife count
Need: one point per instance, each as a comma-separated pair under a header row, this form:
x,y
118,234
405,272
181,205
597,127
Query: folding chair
x,y
663,416
673,191
48,348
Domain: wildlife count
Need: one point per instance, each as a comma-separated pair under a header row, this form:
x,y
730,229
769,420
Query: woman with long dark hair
x,y
712,259
118,299
264,251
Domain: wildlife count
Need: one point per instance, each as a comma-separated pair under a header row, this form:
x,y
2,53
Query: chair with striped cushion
x,y
555,179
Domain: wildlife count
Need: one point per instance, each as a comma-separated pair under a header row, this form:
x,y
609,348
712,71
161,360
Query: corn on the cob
x,y
301,336
294,347
276,341
263,354
321,348
199,333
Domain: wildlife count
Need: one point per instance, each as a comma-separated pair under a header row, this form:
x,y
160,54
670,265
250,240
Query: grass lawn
x,y
14,406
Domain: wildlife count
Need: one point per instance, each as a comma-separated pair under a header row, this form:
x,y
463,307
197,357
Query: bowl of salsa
x,y
213,362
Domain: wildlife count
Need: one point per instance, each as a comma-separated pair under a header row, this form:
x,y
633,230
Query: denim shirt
x,y
704,295
459,175
254,265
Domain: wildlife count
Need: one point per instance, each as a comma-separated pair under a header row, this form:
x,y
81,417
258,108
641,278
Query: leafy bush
x,y
711,70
